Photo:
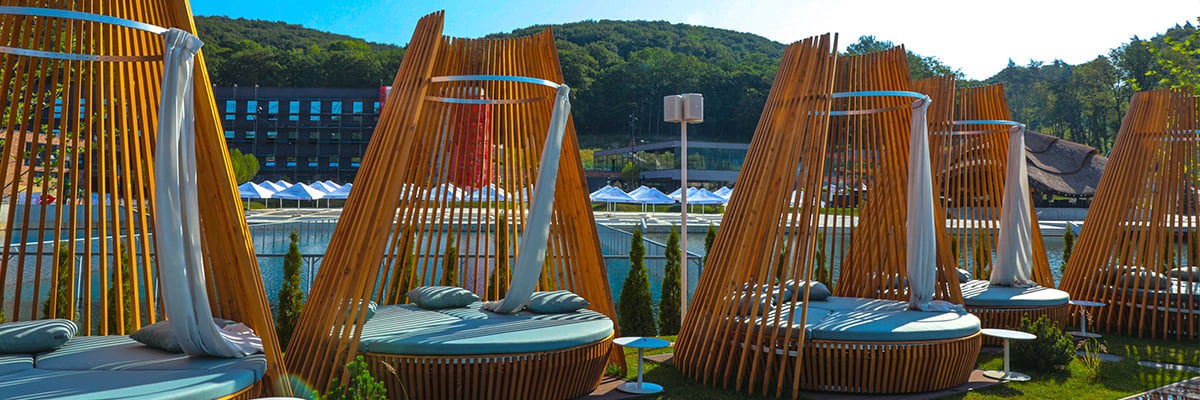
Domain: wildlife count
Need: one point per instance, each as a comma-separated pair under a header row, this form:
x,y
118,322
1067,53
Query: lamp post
x,y
687,108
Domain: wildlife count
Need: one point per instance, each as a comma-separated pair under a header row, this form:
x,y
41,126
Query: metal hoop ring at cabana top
x,y
82,17
559,87
875,93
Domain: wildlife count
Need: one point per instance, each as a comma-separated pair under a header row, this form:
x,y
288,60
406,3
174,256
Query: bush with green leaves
x,y
1052,349
822,271
291,297
498,280
635,309
669,305
362,385
122,300
403,283
982,256
64,267
709,237
450,261
1068,245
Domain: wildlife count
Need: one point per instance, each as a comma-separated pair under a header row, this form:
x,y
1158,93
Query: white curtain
x,y
1014,252
532,251
177,221
922,241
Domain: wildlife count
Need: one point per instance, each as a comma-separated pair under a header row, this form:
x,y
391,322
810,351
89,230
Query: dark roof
x,y
1062,167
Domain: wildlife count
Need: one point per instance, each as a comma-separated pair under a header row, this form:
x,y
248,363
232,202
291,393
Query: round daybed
x,y
1004,306
470,353
847,339
117,367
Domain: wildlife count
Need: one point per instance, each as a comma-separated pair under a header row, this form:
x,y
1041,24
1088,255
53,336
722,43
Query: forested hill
x,y
620,70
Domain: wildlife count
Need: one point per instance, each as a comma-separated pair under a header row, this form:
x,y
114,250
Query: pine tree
x,y
983,256
782,264
124,300
709,238
669,306
291,298
450,262
64,266
1068,245
636,308
408,259
498,280
823,274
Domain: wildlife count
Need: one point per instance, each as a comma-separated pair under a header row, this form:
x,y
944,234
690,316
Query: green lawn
x,y
1115,380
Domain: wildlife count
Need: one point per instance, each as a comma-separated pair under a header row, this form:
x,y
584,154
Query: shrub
x,y
450,261
291,298
498,280
669,306
782,267
823,275
1068,245
982,256
403,283
64,267
123,300
635,307
709,238
362,385
1052,349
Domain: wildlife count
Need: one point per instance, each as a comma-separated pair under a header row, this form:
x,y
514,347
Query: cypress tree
x,y
64,266
125,300
669,306
1068,245
636,308
823,274
983,257
291,298
450,261
709,237
782,263
403,283
498,280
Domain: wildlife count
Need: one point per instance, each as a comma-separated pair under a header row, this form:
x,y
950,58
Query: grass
x,y
1115,380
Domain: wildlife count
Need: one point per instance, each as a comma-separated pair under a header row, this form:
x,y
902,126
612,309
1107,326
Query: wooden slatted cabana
x,y
969,164
83,131
1141,226
412,201
851,153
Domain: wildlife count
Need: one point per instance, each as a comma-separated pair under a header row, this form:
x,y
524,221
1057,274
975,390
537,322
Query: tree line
x,y
620,70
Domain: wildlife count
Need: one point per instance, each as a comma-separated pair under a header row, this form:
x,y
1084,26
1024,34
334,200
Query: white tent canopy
x,y
488,193
275,187
251,190
341,193
322,186
300,191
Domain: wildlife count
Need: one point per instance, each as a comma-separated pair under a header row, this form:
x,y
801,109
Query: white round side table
x,y
1083,306
1007,375
640,343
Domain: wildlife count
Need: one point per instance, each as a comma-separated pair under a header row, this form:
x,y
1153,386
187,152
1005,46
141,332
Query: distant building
x,y
711,163
300,134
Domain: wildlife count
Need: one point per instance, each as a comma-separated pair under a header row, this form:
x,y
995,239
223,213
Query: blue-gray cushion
x,y
411,330
34,336
120,353
1145,279
983,294
817,291
963,275
1186,274
161,335
747,304
39,384
439,297
10,363
555,302
894,326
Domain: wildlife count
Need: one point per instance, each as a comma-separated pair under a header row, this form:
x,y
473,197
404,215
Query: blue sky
x,y
977,36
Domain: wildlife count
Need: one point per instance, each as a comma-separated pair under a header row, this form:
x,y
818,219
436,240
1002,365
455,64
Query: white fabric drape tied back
x,y
177,221
531,253
921,261
1014,250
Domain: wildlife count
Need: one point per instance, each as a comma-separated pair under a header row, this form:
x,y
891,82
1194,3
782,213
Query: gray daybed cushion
x,y
875,320
817,291
34,336
161,335
407,329
10,363
1186,274
439,297
38,384
556,302
963,275
982,294
119,353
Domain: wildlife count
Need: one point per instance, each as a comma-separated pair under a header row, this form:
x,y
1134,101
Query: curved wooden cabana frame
x,y
463,114
84,85
812,137
1143,221
969,158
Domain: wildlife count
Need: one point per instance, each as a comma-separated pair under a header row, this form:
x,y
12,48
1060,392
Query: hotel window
x,y
336,110
377,107
312,162
335,135
293,135
272,110
229,134
291,161
272,135
270,160
250,135
354,162
230,110
333,162
356,135
251,109
358,111
314,136
294,111
314,111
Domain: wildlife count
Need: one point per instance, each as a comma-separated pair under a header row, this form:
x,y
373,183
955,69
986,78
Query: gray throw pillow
x,y
556,302
964,276
36,336
439,297
817,291
1186,274
161,335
